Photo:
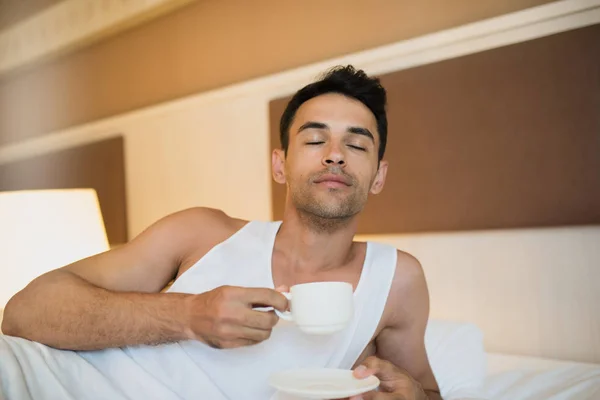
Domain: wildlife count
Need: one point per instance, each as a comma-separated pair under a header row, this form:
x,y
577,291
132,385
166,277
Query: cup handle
x,y
286,315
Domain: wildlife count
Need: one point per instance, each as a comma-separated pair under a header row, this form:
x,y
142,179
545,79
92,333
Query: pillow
x,y
457,357
1,313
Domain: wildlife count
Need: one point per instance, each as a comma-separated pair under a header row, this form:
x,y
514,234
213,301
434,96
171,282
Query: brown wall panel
x,y
99,165
504,138
213,43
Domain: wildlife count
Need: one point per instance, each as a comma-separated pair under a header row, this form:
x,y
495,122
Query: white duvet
x,y
466,372
529,378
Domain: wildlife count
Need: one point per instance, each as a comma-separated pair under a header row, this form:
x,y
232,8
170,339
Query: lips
x,y
334,179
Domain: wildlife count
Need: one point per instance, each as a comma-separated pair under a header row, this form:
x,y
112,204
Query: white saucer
x,y
322,383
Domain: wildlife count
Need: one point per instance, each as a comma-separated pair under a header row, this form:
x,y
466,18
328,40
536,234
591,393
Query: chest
x,y
351,272
290,278
286,273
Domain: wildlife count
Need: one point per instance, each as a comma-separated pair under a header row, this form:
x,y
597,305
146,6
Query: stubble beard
x,y
327,215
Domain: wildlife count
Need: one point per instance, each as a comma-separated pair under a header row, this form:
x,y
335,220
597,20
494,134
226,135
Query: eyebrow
x,y
353,129
362,131
312,125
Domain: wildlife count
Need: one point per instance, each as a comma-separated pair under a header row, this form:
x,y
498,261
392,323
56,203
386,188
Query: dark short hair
x,y
347,81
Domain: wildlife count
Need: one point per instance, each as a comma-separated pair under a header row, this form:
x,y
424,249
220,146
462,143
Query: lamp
x,y
41,230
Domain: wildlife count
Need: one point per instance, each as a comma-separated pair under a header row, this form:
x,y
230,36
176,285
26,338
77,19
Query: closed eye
x,y
357,147
314,143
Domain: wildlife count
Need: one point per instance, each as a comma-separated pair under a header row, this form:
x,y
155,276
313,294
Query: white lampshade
x,y
41,230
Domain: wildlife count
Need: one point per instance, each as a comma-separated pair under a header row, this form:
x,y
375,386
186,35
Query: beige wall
x,y
210,153
212,43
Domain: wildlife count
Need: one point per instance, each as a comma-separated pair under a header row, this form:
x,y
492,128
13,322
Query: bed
x,y
466,371
514,312
529,378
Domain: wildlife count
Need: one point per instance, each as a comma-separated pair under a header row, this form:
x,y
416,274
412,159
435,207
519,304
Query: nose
x,y
334,157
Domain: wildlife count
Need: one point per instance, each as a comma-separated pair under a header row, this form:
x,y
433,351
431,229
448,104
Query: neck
x,y
309,244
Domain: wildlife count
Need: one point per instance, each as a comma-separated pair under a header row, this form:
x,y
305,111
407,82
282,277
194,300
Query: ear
x,y
379,180
278,165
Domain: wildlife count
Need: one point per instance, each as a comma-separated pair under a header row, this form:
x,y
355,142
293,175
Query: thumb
x,y
282,289
362,372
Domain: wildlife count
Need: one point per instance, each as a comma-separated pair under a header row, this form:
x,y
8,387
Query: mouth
x,y
332,180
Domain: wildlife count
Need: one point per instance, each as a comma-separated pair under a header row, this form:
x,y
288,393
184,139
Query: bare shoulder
x,y
408,299
198,219
199,225
409,271
202,213
197,230
182,232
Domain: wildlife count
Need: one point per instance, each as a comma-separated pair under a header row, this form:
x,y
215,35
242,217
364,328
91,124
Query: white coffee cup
x,y
320,308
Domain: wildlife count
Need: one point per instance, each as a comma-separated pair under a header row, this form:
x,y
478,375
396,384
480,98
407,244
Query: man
x,y
204,336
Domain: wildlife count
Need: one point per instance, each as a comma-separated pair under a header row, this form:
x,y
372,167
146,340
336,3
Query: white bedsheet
x,y
510,377
530,378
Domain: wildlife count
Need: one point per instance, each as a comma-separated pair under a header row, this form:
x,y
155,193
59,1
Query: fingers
x,y
240,343
264,297
260,319
358,396
395,383
230,344
362,372
373,395
373,362
255,335
232,321
368,396
380,396
370,366
384,370
231,336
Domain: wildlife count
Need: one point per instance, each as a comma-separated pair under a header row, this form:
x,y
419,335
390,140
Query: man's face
x,y
332,158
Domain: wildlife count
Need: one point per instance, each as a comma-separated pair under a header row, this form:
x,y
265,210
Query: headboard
x,y
98,165
532,291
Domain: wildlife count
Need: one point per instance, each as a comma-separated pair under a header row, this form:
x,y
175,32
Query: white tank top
x,y
194,370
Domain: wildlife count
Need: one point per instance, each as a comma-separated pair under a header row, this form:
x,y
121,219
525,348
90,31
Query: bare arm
x,y
402,342
113,299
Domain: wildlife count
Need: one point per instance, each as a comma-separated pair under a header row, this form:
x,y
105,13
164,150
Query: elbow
x,y
6,325
10,323
7,328
21,311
